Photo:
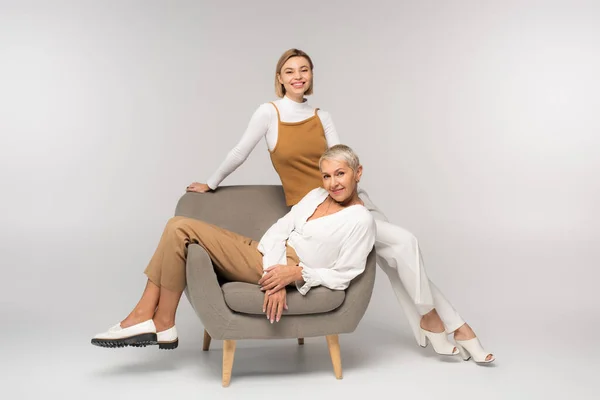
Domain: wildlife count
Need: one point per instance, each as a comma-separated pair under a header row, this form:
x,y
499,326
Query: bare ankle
x,y
135,317
432,322
163,323
464,332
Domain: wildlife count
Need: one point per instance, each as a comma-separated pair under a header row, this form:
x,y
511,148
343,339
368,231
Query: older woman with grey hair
x,y
324,240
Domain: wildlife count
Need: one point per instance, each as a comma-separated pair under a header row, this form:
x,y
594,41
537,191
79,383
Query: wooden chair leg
x,y
228,353
206,342
300,341
333,344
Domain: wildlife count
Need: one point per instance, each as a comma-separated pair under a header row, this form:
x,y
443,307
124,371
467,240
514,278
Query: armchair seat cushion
x,y
247,298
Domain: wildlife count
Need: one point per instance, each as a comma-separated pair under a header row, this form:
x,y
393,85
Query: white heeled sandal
x,y
471,348
439,341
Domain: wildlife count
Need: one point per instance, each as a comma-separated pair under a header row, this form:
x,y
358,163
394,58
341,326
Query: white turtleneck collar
x,y
293,106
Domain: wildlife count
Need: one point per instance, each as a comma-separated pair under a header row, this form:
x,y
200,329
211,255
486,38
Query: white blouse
x,y
332,249
264,124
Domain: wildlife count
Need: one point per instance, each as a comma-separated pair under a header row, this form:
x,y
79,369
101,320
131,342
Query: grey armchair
x,y
232,311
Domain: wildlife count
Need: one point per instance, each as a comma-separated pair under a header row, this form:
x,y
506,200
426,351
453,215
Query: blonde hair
x,y
341,152
279,89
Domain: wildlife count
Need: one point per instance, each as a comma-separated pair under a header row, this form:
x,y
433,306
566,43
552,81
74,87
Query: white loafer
x,y
168,339
139,335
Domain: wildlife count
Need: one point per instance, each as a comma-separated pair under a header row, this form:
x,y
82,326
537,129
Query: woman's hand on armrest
x,y
278,277
198,188
274,305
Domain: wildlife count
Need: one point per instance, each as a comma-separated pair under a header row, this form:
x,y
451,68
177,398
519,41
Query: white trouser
x,y
399,256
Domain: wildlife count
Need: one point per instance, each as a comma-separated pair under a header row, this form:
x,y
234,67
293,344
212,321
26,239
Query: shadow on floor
x,y
369,346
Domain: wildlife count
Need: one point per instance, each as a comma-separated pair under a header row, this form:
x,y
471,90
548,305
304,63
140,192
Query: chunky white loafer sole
x,y
167,339
139,335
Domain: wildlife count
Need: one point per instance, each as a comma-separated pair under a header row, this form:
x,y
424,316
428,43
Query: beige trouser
x,y
235,257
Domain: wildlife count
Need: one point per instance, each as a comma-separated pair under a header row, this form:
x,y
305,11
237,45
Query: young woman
x,y
324,240
296,135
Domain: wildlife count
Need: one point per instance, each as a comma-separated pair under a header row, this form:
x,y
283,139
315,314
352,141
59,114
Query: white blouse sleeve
x,y
330,133
257,128
350,263
272,244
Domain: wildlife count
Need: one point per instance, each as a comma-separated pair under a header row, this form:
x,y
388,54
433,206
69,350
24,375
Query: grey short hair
x,y
341,152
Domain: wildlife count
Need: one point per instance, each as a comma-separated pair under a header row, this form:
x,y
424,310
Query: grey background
x,y
477,125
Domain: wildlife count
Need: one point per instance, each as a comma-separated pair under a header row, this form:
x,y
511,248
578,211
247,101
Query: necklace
x,y
326,212
328,205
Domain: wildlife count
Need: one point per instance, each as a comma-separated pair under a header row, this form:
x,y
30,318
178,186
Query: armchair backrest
x,y
245,209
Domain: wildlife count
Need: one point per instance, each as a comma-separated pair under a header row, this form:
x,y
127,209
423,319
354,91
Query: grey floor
x,y
533,304
536,359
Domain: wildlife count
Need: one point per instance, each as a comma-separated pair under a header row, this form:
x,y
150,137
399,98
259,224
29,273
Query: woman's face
x,y
339,179
296,76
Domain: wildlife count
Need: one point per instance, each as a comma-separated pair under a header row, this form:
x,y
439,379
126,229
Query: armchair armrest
x,y
205,295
